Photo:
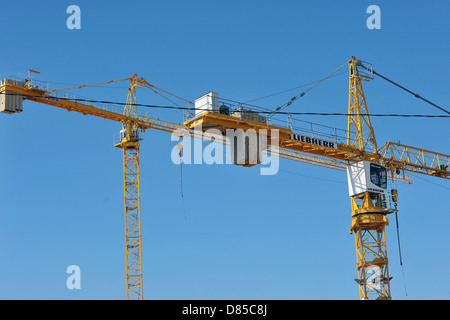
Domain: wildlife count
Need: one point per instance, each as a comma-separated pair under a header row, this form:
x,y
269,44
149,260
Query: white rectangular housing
x,y
246,146
207,102
366,176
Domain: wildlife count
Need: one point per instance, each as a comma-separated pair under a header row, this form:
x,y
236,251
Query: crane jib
x,y
310,140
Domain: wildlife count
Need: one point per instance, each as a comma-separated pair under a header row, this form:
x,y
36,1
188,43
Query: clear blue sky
x,y
246,236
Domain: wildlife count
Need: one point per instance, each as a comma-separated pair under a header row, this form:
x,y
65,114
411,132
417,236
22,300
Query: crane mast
x,y
132,199
368,226
367,207
358,118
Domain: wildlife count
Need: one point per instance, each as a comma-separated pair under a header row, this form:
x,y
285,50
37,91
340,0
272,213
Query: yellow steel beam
x,y
397,156
368,226
223,122
88,85
358,118
132,204
41,96
289,149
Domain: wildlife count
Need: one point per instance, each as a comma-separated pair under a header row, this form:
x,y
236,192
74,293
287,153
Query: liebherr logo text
x,y
318,142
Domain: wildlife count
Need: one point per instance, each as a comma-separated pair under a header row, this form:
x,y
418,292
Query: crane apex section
x,y
11,102
366,176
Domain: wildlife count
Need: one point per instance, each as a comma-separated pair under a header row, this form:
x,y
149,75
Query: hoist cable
x,y
403,88
306,91
400,250
262,112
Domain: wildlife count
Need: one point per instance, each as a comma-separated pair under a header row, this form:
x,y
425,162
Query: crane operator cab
x,y
128,138
368,180
366,176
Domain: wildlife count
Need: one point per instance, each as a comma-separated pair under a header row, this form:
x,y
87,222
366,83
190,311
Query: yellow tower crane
x,y
368,218
368,167
12,94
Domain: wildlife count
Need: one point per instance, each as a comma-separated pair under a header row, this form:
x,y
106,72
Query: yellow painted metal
x,y
214,120
88,85
29,75
44,98
368,219
368,226
132,204
396,156
130,126
132,199
358,119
